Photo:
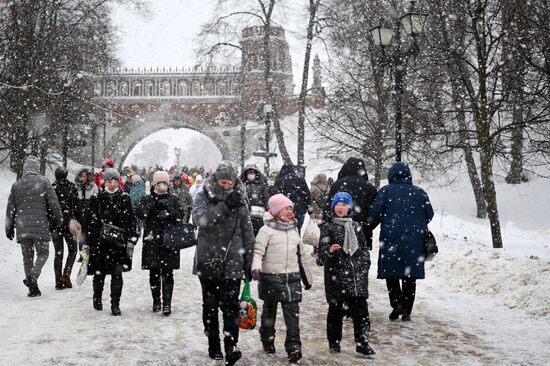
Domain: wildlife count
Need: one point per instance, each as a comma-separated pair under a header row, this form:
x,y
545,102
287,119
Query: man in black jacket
x,y
296,189
67,194
353,179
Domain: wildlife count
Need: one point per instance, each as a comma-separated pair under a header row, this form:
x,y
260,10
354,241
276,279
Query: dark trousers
x,y
291,313
221,294
361,321
300,218
162,279
402,294
257,225
58,239
116,286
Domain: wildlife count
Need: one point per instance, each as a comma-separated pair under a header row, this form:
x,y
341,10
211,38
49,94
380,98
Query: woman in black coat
x,y
108,225
159,211
345,254
257,192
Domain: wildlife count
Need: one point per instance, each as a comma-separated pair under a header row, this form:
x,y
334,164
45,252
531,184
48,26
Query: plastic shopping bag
x,y
247,308
312,233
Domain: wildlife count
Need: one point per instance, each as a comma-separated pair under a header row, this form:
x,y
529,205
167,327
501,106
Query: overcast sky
x,y
166,36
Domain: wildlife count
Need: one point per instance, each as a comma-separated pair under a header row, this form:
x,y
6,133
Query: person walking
x,y
405,211
67,195
137,189
180,190
353,178
32,207
278,265
108,225
346,259
86,188
223,255
197,186
159,211
319,195
295,188
257,193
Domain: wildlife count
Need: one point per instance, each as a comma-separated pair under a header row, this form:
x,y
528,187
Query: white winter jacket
x,y
275,251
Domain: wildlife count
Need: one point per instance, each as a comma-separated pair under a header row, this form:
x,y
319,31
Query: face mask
x,y
228,191
162,186
251,177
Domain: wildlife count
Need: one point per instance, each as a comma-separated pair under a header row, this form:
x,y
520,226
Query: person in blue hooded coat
x,y
405,211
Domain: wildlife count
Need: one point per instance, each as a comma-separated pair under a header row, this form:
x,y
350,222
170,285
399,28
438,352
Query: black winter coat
x,y
108,208
67,195
158,213
257,191
345,276
294,188
353,179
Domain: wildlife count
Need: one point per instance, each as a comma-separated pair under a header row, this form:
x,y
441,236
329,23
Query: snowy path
x,y
61,328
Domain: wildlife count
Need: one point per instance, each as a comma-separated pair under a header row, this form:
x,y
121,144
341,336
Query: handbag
x,y
214,267
179,236
110,232
430,246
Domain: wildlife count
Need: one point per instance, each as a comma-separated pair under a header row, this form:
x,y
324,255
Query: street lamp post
x,y
94,126
267,112
412,23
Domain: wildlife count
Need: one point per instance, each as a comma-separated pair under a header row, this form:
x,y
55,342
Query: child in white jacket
x,y
278,265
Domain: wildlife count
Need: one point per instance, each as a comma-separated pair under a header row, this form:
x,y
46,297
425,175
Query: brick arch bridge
x,y
134,103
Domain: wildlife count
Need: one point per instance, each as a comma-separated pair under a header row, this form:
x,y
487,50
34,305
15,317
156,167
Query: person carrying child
x,y
344,250
277,264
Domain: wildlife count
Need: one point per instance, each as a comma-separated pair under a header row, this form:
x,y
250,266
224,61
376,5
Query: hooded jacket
x,y
67,195
353,178
405,211
319,193
32,204
294,188
257,190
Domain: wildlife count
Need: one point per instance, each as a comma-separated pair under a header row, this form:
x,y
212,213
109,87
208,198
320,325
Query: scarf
x,y
279,225
350,239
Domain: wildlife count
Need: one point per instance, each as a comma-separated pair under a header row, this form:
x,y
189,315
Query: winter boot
x,y
214,348
31,283
157,305
269,347
334,348
294,355
98,291
406,318
67,278
167,289
59,283
365,349
396,312
115,308
232,355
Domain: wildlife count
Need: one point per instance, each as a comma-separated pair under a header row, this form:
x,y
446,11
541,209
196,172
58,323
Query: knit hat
x,y
160,176
61,173
277,202
111,173
342,197
108,163
31,165
225,171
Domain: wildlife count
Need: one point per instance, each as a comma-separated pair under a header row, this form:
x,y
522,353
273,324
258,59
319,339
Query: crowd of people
x,y
245,229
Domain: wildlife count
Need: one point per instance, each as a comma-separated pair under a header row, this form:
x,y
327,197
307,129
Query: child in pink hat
x,y
280,271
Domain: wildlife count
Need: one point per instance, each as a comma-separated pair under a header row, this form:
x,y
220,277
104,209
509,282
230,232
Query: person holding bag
x,y
405,211
108,224
223,255
278,265
159,212
345,255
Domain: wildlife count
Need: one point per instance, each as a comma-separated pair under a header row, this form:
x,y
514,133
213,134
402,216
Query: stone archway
x,y
125,139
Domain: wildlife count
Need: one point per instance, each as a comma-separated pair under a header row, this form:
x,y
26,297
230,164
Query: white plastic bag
x,y
74,227
312,233
83,271
257,212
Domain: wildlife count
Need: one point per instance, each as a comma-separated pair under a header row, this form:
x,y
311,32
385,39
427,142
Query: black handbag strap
x,y
230,239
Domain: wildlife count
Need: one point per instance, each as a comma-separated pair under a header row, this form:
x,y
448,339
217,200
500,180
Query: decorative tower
x,y
316,88
253,88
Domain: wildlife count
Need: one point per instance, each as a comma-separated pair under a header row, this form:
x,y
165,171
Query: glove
x,y
10,234
162,204
163,214
256,274
307,287
233,200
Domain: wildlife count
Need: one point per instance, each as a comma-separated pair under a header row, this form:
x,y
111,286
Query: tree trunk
x,y
458,100
313,6
515,175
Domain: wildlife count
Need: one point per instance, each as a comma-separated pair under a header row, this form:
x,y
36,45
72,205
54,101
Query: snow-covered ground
x,y
477,306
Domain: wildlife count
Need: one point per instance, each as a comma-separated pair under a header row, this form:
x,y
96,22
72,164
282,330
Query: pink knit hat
x,y
160,176
277,202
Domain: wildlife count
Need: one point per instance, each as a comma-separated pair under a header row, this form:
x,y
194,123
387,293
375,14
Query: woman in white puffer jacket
x,y
277,264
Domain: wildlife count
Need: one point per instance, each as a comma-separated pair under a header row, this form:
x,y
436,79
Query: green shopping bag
x,y
247,308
